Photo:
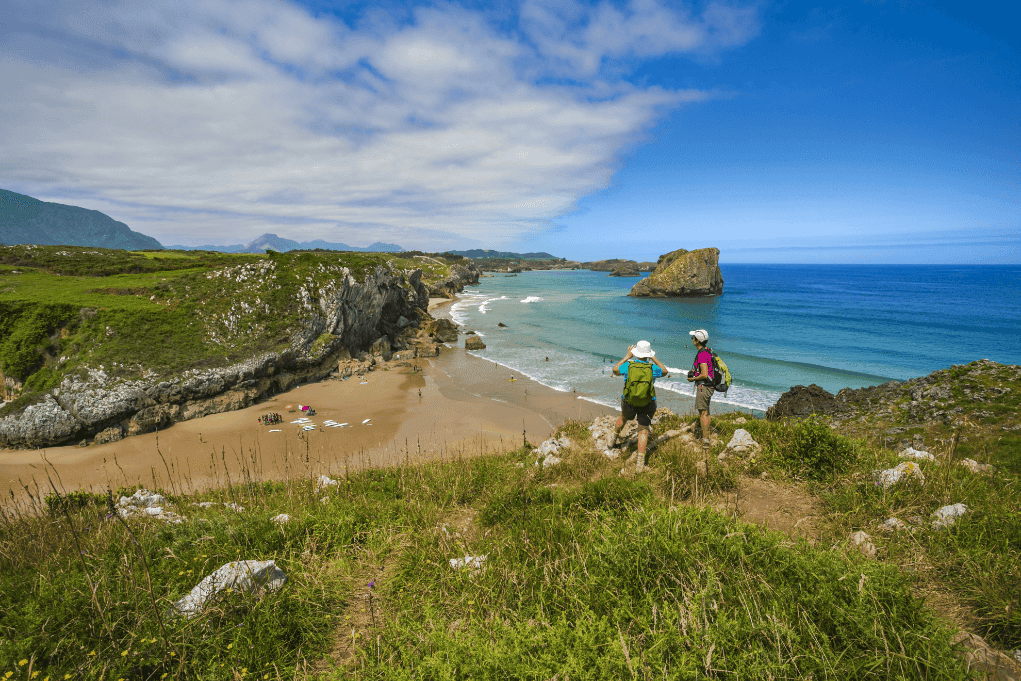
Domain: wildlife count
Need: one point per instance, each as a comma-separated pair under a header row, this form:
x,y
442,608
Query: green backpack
x,y
638,389
721,374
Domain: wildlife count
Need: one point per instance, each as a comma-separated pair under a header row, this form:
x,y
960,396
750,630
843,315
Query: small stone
x,y
864,543
893,524
281,519
742,442
948,515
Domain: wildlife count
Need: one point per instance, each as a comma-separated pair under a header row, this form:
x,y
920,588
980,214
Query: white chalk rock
x,y
976,467
742,442
553,446
234,507
550,460
948,515
242,575
893,525
143,498
325,481
864,543
473,563
204,504
912,453
908,470
146,503
281,519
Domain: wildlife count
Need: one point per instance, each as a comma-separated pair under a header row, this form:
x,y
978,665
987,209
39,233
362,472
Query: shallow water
x,y
775,325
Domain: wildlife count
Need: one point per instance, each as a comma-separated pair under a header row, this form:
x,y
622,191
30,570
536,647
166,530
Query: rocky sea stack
x,y
683,273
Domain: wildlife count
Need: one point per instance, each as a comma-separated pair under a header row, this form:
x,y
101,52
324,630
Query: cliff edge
x,y
683,273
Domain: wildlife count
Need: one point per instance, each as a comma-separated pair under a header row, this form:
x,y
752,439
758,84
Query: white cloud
x,y
214,122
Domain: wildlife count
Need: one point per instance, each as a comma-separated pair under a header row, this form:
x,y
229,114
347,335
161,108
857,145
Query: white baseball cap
x,y
701,335
643,349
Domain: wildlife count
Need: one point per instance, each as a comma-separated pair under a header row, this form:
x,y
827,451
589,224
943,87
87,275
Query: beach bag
x,y
638,390
721,374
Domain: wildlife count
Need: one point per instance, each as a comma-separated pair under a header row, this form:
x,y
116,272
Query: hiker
x,y
641,368
701,375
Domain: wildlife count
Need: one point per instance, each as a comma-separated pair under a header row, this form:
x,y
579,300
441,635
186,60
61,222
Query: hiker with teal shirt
x,y
638,401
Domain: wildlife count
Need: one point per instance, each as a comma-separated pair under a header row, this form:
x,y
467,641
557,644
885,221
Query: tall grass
x,y
587,574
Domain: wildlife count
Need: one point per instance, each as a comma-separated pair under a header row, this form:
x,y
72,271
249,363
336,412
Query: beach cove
x,y
467,406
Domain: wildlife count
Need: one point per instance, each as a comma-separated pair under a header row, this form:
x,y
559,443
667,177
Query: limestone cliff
x,y
683,273
341,320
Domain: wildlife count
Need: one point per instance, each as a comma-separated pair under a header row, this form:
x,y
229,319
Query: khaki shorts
x,y
703,393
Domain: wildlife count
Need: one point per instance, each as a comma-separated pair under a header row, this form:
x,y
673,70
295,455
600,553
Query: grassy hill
x,y
136,314
583,573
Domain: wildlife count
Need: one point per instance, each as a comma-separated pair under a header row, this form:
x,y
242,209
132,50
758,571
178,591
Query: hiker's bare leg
x,y
643,440
703,417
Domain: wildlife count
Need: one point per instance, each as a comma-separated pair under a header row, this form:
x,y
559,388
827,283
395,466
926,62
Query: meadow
x,y
581,572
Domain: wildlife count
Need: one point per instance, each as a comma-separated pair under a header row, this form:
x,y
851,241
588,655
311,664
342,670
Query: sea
x,y
776,326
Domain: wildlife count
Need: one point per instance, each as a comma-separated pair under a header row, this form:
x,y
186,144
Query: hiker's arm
x,y
703,372
616,367
660,365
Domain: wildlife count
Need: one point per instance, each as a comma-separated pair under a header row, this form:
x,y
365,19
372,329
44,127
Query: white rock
x,y
143,498
473,563
908,470
948,515
553,446
146,503
205,504
550,460
234,507
740,419
242,575
912,453
281,519
893,524
975,466
864,543
325,481
742,442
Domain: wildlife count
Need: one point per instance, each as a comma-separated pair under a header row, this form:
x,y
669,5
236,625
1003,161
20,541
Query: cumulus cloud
x,y
213,122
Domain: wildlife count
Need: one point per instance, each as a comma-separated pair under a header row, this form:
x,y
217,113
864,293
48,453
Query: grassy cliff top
x,y
157,313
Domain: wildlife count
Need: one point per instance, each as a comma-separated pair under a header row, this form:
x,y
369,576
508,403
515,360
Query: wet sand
x,y
467,406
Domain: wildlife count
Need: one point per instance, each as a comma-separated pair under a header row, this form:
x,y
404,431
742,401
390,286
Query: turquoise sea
x,y
775,325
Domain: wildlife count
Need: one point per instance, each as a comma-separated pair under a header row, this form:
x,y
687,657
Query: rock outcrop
x,y
474,343
382,313
625,271
683,273
801,401
459,276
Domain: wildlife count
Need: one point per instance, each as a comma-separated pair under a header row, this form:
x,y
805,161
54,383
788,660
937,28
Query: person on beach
x,y
639,354
701,375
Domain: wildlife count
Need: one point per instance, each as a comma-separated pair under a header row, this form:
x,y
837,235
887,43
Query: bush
x,y
808,448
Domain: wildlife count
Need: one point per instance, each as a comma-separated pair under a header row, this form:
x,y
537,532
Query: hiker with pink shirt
x,y
701,375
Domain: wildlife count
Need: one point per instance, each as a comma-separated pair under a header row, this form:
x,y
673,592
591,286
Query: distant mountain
x,y
272,242
480,253
24,220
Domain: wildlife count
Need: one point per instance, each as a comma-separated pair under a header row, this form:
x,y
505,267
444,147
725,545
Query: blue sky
x,y
857,132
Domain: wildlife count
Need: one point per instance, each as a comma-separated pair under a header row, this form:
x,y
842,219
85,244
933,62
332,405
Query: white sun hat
x,y
643,349
701,335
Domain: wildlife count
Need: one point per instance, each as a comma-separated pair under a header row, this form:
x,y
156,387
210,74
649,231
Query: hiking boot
x,y
706,444
640,466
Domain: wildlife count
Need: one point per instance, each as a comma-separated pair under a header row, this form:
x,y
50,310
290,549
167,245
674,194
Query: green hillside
x,y
156,313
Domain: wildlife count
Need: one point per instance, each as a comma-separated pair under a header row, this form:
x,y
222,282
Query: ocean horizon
x,y
776,326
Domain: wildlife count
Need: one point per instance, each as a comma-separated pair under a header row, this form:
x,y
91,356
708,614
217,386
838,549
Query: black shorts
x,y
643,414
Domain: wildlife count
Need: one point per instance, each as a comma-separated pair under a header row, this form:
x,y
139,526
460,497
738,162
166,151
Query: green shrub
x,y
808,449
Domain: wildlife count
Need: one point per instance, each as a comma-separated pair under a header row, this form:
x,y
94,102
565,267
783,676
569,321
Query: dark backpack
x,y
721,374
638,390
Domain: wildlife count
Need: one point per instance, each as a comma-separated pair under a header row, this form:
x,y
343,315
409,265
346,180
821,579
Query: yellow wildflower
x,y
22,663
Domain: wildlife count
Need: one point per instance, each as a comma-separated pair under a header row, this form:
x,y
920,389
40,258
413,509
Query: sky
x,y
849,132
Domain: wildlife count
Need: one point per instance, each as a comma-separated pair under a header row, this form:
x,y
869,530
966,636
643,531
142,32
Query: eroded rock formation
x,y
683,273
346,327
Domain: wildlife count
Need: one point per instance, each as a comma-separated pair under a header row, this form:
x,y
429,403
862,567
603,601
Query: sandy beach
x,y
440,407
